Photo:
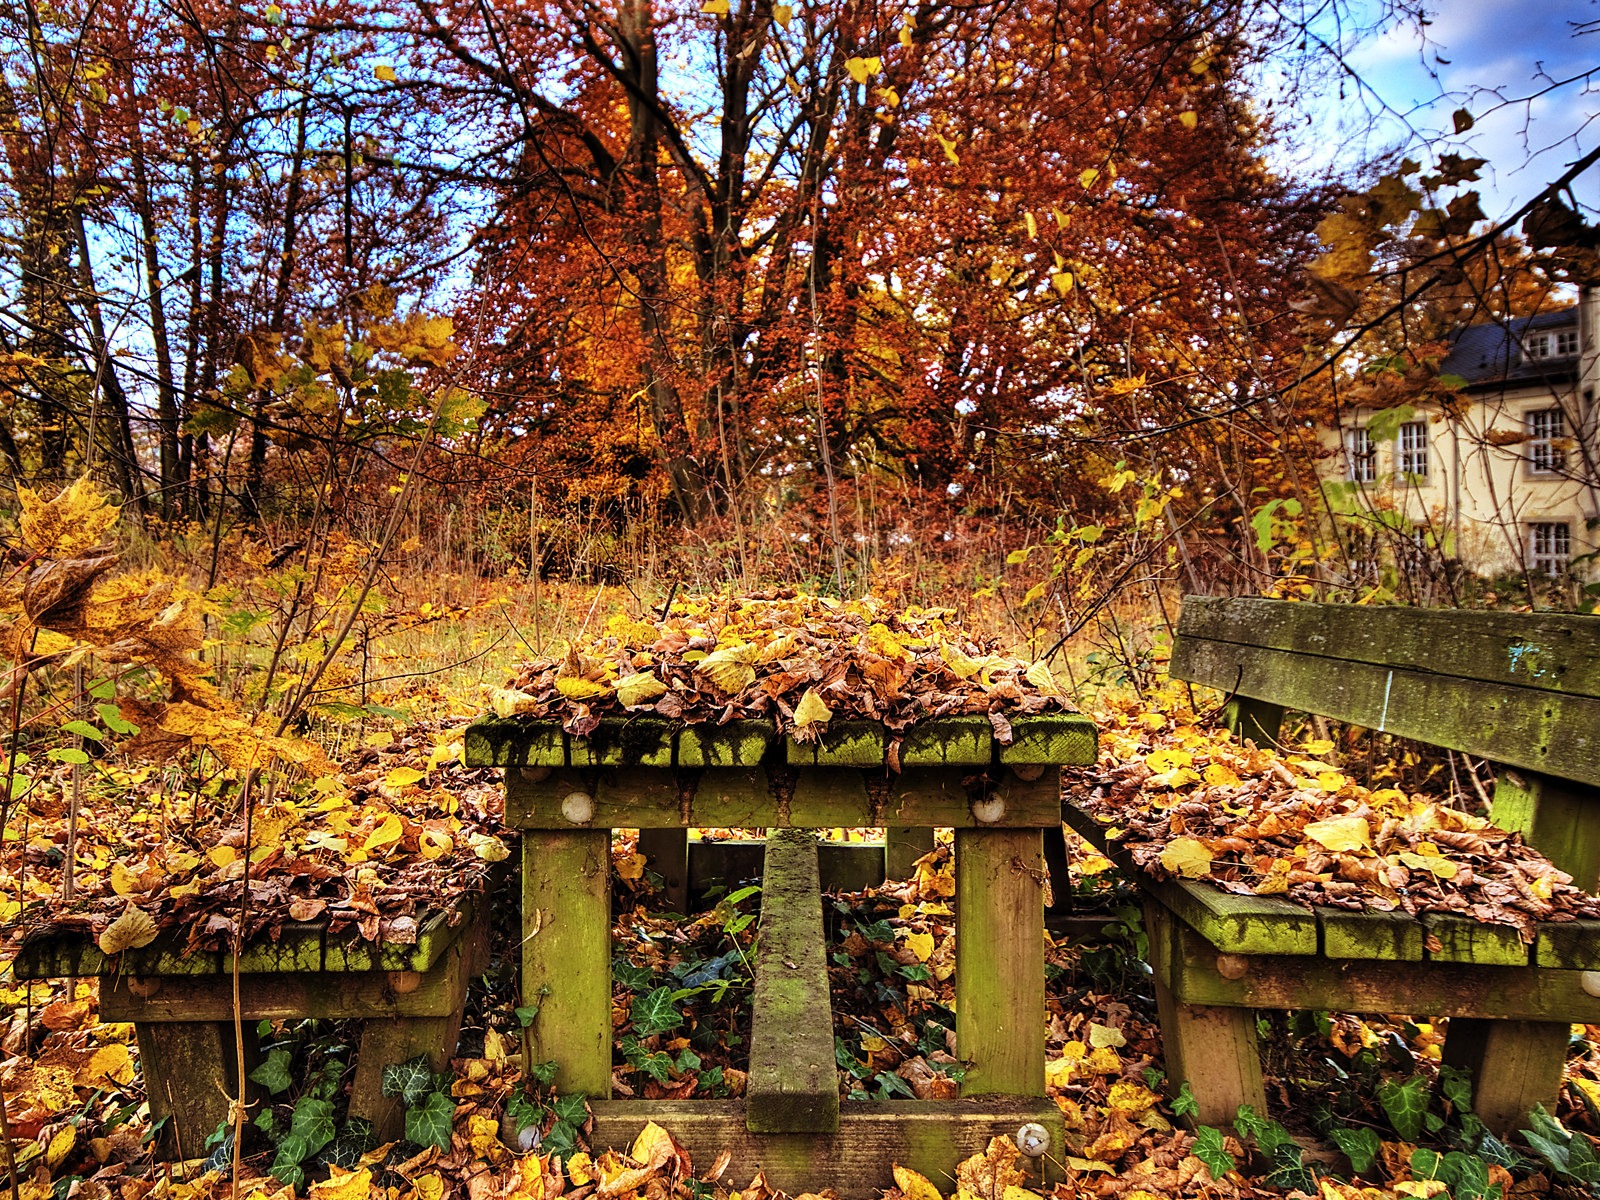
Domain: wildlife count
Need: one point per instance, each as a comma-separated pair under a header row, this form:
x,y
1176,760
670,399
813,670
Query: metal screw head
x,y
533,774
989,810
578,808
1033,1139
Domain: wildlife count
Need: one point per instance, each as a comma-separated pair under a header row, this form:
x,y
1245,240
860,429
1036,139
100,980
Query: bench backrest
x,y
1521,689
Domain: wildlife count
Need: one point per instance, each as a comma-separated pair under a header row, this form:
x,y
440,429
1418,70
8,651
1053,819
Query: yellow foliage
x,y
75,521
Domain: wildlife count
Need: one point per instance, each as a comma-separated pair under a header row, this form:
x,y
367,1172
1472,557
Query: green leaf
x,y
632,977
313,1123
1289,1172
85,730
273,1074
429,1124
1405,1104
354,1140
572,1108
654,1012
544,1073
68,754
410,1080
1385,426
1360,1146
560,1140
1425,1163
1208,1148
1185,1105
526,1013
523,1111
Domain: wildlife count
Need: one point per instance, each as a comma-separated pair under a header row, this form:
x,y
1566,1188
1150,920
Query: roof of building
x,y
1490,354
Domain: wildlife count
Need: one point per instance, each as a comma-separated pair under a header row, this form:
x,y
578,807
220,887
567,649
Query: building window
x,y
1551,546
1560,343
1361,456
1546,433
1413,456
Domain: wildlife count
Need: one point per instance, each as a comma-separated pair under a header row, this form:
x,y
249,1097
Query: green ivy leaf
x,y
1289,1172
429,1124
273,1074
312,1123
654,1012
1185,1105
544,1073
1209,1148
573,1108
410,1080
1360,1146
1405,1103
526,1013
523,1111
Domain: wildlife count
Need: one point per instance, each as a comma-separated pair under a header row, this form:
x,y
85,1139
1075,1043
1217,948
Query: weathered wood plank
x,y
1569,945
566,954
902,846
298,948
385,1041
1514,1065
1000,1026
1561,819
1466,940
931,1137
634,741
1554,652
804,798
1212,1049
1257,721
1060,739
190,1070
494,741
1240,924
845,866
947,740
794,1084
667,853
1549,732
1393,935
841,744
736,744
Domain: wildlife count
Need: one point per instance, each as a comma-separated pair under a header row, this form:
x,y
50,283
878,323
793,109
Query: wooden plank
x,y
1000,1021
947,741
1549,732
1467,940
1514,1065
1258,721
794,1082
736,744
58,956
845,866
1552,652
1559,818
804,798
1212,1049
1238,924
666,851
190,1071
841,744
494,741
298,948
902,846
1197,972
566,954
1060,739
1391,935
1569,945
635,741
931,1137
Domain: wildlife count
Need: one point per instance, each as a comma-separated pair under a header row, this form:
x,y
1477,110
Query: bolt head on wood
x,y
1233,966
1030,772
578,807
989,810
1033,1139
533,774
403,983
1589,981
144,986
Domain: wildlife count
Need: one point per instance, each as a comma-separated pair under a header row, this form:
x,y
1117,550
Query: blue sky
x,y
1490,57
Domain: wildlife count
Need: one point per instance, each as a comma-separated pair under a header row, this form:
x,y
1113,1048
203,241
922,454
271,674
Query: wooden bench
x,y
566,794
1522,690
408,997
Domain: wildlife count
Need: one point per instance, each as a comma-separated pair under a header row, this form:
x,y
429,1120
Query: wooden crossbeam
x,y
794,1083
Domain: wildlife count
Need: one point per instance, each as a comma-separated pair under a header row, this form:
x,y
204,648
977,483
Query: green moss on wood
x,y
1051,738
736,744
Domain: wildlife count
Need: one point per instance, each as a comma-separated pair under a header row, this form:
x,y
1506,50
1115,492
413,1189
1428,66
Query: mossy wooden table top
x,y
1053,739
302,947
1263,925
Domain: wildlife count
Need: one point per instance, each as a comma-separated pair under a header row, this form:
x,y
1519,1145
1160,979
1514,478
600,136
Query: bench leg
x,y
1000,1019
1253,720
667,851
396,1040
1555,815
1212,1049
566,954
902,846
1514,1065
190,1072
1059,867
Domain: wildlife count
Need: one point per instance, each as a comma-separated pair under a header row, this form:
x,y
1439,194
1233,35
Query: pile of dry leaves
x,y
1192,803
797,659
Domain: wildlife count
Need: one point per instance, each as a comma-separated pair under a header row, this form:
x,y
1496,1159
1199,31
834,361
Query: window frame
x,y
1555,559
1360,465
1544,459
1406,460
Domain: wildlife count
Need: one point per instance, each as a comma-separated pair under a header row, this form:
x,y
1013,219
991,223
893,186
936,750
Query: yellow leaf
x,y
1033,226
111,1062
428,1187
1061,217
905,35
1103,1035
781,13
434,844
133,929
857,68
60,1146
728,667
653,1146
387,833
1341,834
508,702
580,689
874,64
639,688
811,710
1444,868
75,521
915,1186
1013,1192
717,8
1166,759
1131,1099
124,881
1187,858
631,867
490,849
403,777
920,944
1188,120
1221,775
1042,677
1103,1060
949,147
384,72
353,1185
578,1167
1087,177
1061,281
962,665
